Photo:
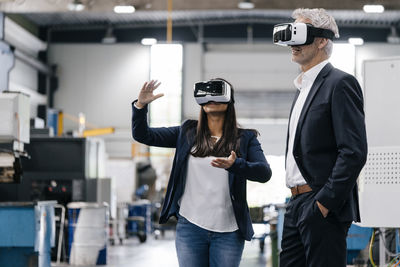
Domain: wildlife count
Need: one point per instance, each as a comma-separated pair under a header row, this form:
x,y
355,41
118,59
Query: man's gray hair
x,y
321,19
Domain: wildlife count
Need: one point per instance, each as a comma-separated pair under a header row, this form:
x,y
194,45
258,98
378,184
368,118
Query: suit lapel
x,y
313,91
294,102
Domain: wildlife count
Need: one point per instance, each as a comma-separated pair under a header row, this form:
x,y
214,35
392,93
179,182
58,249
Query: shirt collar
x,y
307,78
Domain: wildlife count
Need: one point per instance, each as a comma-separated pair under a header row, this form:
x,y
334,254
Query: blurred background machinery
x,y
14,134
27,233
379,181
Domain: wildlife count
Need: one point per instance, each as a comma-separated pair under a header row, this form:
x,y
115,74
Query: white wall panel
x,y
100,80
251,67
192,73
373,51
255,81
272,134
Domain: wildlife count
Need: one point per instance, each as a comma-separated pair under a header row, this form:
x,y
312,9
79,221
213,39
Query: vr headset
x,y
291,34
213,90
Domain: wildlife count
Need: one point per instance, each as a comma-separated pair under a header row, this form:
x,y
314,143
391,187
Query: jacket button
x,y
232,197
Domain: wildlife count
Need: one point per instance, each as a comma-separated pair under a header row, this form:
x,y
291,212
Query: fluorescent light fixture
x,y
109,38
124,9
393,37
246,4
149,41
373,8
356,41
76,5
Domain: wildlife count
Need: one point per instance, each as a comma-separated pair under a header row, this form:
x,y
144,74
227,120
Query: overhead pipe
x,y
33,62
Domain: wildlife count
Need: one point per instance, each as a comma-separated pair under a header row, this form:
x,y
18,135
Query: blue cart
x,y
139,221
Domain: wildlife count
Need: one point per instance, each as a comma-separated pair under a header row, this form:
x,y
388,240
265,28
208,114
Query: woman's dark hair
x,y
203,145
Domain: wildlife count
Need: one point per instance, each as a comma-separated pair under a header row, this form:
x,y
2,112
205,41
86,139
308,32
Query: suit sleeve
x,y
141,132
256,167
350,135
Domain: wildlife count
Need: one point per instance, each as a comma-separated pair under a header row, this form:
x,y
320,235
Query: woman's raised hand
x,y
146,94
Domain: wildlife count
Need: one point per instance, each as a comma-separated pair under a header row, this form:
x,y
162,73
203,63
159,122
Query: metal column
x,y
382,252
7,59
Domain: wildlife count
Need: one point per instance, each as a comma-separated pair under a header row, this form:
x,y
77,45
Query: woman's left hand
x,y
224,163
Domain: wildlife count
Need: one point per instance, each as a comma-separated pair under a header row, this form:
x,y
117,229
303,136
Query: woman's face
x,y
215,108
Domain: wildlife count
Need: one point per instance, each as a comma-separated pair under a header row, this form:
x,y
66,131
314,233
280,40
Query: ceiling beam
x,y
18,6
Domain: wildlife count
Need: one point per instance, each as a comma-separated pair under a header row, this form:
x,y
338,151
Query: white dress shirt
x,y
303,83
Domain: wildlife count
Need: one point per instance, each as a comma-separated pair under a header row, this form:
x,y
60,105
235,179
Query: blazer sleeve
x,y
255,167
141,132
349,130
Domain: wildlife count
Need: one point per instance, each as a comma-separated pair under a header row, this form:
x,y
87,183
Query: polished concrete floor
x,y
161,253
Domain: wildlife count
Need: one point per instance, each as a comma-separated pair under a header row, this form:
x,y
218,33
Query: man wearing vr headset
x,y
207,187
326,146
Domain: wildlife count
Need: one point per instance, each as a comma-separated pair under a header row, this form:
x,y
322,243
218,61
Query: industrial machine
x,y
27,233
58,169
14,133
379,183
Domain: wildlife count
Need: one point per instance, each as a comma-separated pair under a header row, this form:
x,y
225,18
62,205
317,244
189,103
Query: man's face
x,y
303,54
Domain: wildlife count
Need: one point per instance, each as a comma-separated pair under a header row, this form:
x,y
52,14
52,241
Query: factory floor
x,y
161,253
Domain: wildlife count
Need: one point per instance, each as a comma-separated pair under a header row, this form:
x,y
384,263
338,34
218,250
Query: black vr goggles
x,y
291,34
212,91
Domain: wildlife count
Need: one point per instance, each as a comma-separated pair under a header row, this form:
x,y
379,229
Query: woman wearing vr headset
x,y
207,185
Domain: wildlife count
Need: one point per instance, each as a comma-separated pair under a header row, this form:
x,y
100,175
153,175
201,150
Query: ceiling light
x,y
76,5
246,4
373,8
356,41
124,9
109,38
149,41
393,37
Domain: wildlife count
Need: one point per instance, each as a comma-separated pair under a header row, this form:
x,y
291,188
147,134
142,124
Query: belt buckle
x,y
296,190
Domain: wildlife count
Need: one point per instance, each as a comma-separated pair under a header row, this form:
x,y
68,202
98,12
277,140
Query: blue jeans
x,y
198,247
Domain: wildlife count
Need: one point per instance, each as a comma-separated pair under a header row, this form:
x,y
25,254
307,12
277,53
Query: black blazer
x,y
330,145
250,165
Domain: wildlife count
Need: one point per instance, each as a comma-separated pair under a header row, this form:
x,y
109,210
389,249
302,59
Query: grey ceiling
x,y
187,18
107,5
152,13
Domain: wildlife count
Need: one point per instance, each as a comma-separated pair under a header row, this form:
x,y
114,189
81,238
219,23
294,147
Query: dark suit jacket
x,y
330,145
251,165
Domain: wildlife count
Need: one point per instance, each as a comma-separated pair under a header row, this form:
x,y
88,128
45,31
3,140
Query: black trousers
x,y
309,239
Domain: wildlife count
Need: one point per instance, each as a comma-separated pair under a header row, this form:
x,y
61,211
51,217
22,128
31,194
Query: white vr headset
x,y
212,91
291,34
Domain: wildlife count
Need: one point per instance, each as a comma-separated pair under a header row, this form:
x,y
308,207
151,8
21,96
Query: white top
x,y
303,83
206,200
